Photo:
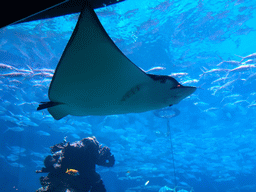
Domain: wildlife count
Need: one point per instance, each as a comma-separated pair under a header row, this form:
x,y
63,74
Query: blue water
x,y
200,43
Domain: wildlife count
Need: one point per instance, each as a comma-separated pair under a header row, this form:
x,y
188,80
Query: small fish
x,y
234,96
212,71
231,62
242,68
251,56
44,70
9,118
190,81
7,67
43,74
178,74
156,69
16,165
251,78
16,149
15,129
241,102
211,109
228,84
43,133
15,74
146,183
72,172
12,157
251,105
250,61
220,79
183,183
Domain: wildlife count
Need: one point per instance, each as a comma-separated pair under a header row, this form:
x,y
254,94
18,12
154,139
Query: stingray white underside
x,y
94,77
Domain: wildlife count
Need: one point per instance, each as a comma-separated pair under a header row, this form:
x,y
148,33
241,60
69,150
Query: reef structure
x,y
71,167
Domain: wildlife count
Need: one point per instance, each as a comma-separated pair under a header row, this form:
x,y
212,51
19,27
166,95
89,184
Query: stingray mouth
x,y
181,92
177,86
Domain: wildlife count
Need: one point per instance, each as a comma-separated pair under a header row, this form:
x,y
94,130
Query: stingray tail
x,y
45,105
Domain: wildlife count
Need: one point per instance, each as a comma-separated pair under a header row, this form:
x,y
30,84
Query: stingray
x,y
93,77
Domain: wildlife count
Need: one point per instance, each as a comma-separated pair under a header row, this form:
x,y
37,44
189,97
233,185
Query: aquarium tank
x,y
206,142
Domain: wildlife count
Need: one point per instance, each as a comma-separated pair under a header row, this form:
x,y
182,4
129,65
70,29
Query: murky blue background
x,y
200,43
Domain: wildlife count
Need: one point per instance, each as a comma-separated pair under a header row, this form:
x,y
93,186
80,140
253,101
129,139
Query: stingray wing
x,y
92,70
